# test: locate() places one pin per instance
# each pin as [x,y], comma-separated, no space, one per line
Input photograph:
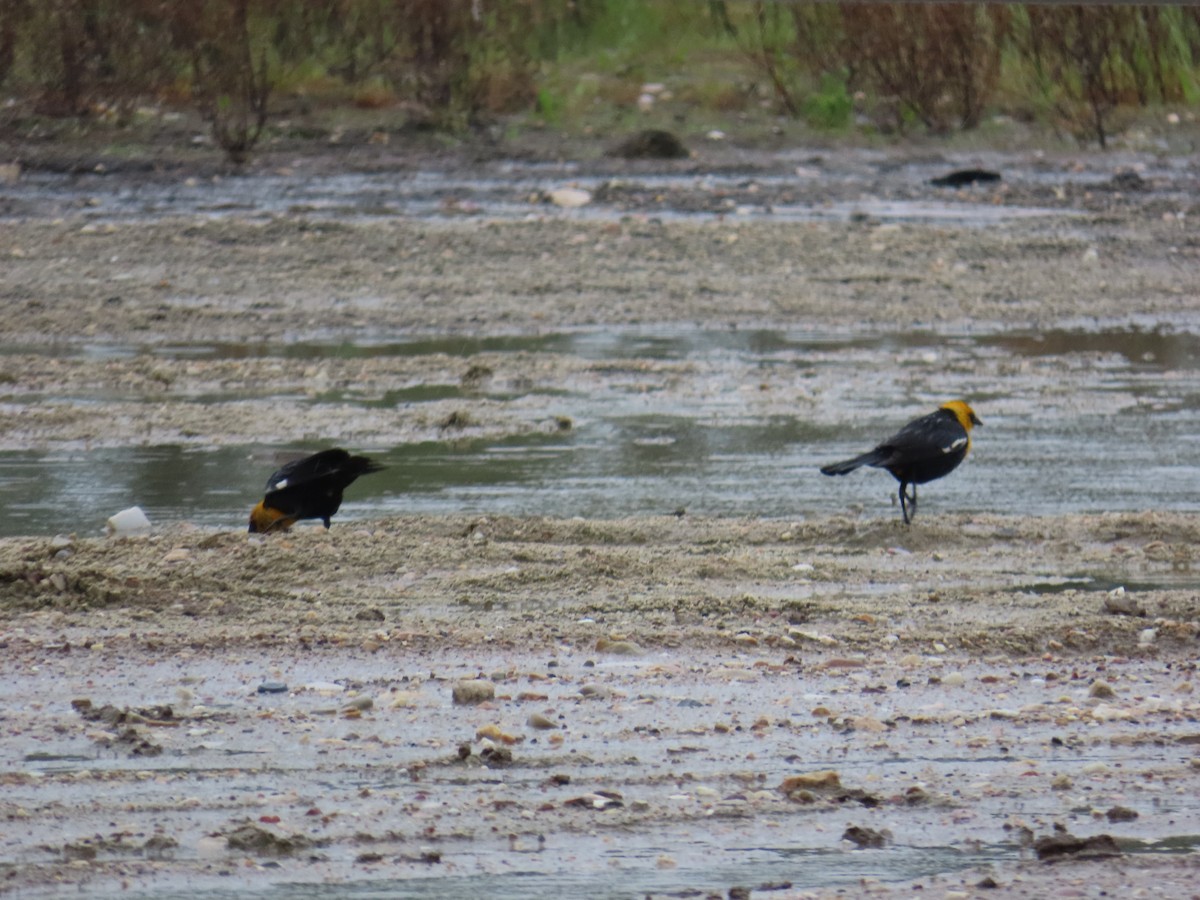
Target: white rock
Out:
[128,521]
[570,198]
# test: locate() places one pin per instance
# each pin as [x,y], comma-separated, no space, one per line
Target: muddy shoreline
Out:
[972,681]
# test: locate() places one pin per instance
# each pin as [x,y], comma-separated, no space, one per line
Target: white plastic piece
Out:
[128,521]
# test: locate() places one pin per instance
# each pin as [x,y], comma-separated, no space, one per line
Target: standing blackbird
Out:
[924,449]
[308,488]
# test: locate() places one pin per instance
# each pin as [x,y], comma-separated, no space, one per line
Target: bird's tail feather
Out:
[361,465]
[870,458]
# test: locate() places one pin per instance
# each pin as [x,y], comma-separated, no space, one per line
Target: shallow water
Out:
[516,191]
[1126,437]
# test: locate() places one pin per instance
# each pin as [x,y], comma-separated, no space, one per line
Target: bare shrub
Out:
[230,78]
[1095,59]
[940,61]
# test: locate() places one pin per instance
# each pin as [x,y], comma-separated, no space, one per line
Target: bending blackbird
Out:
[308,488]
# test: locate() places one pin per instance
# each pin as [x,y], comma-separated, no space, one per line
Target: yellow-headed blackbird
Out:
[924,449]
[308,488]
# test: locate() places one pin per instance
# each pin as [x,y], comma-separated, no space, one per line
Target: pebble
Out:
[1101,690]
[537,720]
[812,636]
[1121,814]
[473,691]
[620,648]
[953,679]
[272,687]
[826,778]
[325,687]
[493,732]
[570,198]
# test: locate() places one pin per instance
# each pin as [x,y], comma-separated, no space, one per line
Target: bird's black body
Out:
[923,450]
[308,488]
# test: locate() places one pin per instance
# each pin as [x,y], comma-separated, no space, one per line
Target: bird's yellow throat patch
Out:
[264,519]
[965,415]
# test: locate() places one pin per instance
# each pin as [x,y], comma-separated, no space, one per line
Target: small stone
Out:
[473,691]
[328,688]
[493,732]
[1118,603]
[569,198]
[812,636]
[865,838]
[179,554]
[537,720]
[1061,782]
[826,779]
[362,704]
[1121,814]
[272,687]
[953,679]
[1101,690]
[620,648]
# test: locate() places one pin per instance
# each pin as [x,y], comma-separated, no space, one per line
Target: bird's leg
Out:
[908,500]
[326,521]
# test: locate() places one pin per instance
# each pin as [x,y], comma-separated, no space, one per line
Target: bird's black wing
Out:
[310,468]
[929,437]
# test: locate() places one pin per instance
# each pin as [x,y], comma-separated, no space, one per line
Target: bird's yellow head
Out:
[965,415]
[264,519]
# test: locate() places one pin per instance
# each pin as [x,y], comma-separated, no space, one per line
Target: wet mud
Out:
[780,689]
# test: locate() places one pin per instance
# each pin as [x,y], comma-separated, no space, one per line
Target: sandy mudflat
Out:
[972,681]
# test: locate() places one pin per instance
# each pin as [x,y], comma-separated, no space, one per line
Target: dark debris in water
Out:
[966,178]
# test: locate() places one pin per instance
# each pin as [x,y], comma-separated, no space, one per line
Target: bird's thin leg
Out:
[326,521]
[908,500]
